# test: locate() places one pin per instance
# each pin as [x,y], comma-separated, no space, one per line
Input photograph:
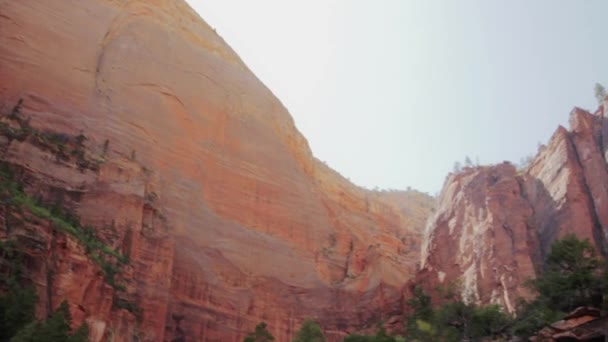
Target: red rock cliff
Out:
[207,185]
[495,224]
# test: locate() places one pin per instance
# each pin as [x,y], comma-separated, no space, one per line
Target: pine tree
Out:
[261,334]
[600,92]
[81,334]
[309,332]
[571,277]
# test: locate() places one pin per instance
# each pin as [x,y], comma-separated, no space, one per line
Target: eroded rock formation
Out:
[204,182]
[495,224]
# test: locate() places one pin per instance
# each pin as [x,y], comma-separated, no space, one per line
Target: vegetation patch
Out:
[260,334]
[65,147]
[573,277]
[108,259]
[18,304]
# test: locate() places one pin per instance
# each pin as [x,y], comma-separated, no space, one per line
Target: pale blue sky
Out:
[390,93]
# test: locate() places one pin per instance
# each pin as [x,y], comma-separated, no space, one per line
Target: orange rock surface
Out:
[494,225]
[227,217]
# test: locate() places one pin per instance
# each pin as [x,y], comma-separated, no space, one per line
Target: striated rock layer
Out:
[494,225]
[207,185]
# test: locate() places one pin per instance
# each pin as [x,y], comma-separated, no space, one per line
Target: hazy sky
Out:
[390,93]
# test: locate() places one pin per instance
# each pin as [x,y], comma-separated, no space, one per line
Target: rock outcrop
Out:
[583,324]
[495,224]
[202,180]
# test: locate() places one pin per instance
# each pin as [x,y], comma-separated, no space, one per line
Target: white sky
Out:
[391,92]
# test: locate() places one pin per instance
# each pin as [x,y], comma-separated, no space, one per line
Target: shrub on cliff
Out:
[260,334]
[574,276]
[17,302]
[16,310]
[56,328]
[309,332]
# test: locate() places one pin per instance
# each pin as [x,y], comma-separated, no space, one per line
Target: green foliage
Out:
[532,317]
[381,336]
[419,319]
[80,335]
[489,320]
[420,304]
[16,111]
[457,321]
[17,307]
[108,259]
[127,305]
[56,143]
[56,328]
[64,222]
[573,277]
[309,332]
[17,302]
[452,321]
[599,92]
[261,334]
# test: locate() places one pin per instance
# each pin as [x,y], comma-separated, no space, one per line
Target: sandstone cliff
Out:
[201,179]
[495,224]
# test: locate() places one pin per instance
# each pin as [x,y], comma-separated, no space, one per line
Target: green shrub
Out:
[600,92]
[65,222]
[452,321]
[309,332]
[17,307]
[127,305]
[574,276]
[260,334]
[56,328]
[18,304]
[381,336]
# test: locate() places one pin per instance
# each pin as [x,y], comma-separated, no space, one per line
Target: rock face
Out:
[480,236]
[494,225]
[202,180]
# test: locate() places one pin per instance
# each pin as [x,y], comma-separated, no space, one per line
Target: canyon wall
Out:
[494,225]
[201,180]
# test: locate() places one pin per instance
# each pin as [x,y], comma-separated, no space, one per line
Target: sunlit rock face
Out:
[494,225]
[207,184]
